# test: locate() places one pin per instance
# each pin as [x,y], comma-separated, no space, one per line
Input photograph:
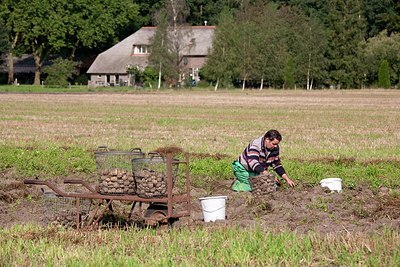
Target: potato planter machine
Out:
[149,180]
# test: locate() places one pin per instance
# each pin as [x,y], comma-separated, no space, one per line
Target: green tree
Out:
[271,49]
[243,45]
[382,15]
[346,26]
[170,42]
[43,27]
[10,13]
[160,57]
[384,75]
[136,73]
[143,77]
[305,39]
[378,47]
[289,73]
[4,44]
[219,65]
[150,76]
[92,23]
[60,71]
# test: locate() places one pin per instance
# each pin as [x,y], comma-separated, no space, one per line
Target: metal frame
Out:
[170,199]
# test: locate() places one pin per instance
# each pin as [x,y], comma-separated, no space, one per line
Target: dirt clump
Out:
[168,150]
[12,190]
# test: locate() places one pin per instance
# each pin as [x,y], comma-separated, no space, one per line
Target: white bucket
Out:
[213,208]
[334,184]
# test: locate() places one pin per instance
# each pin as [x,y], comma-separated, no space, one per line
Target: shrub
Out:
[60,71]
[384,75]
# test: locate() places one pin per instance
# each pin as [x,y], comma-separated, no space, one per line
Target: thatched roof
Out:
[116,59]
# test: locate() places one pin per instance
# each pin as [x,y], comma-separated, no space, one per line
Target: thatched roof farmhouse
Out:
[110,67]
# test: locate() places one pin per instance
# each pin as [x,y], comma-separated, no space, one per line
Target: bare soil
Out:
[301,209]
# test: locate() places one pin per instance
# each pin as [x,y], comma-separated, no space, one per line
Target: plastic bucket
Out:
[213,208]
[334,184]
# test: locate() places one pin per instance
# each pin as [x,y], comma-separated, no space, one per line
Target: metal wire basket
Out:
[64,210]
[115,170]
[151,175]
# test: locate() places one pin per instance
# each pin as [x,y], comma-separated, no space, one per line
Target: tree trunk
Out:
[11,60]
[38,69]
[262,84]
[216,85]
[308,72]
[159,77]
[10,68]
[243,84]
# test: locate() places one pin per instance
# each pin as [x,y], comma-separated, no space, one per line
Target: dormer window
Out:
[140,49]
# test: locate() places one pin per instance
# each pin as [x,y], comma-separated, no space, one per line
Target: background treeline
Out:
[281,44]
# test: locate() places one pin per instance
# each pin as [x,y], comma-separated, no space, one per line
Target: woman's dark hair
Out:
[273,134]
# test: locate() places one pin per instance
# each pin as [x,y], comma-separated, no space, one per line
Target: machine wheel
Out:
[156,214]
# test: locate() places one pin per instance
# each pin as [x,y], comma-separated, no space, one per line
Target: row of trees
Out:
[282,46]
[283,43]
[44,27]
[269,45]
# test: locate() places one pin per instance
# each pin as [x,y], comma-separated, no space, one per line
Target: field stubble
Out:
[362,124]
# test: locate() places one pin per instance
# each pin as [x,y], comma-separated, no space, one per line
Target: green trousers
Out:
[242,182]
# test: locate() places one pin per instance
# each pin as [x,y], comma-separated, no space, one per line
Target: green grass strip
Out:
[218,246]
[52,161]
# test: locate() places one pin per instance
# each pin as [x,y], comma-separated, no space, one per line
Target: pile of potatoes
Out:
[150,183]
[66,218]
[262,184]
[117,181]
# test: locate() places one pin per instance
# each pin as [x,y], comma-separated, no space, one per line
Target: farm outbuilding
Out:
[110,67]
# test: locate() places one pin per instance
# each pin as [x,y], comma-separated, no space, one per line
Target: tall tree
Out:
[244,49]
[160,57]
[219,64]
[92,23]
[346,25]
[172,40]
[305,38]
[271,50]
[384,75]
[10,13]
[46,26]
[43,30]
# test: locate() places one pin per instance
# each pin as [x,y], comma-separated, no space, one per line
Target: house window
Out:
[141,49]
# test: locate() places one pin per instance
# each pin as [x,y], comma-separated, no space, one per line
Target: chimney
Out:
[205,23]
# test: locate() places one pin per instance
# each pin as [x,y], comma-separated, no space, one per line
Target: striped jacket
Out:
[257,158]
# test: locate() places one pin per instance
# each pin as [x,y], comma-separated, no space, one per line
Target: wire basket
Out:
[63,210]
[262,185]
[115,171]
[151,175]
